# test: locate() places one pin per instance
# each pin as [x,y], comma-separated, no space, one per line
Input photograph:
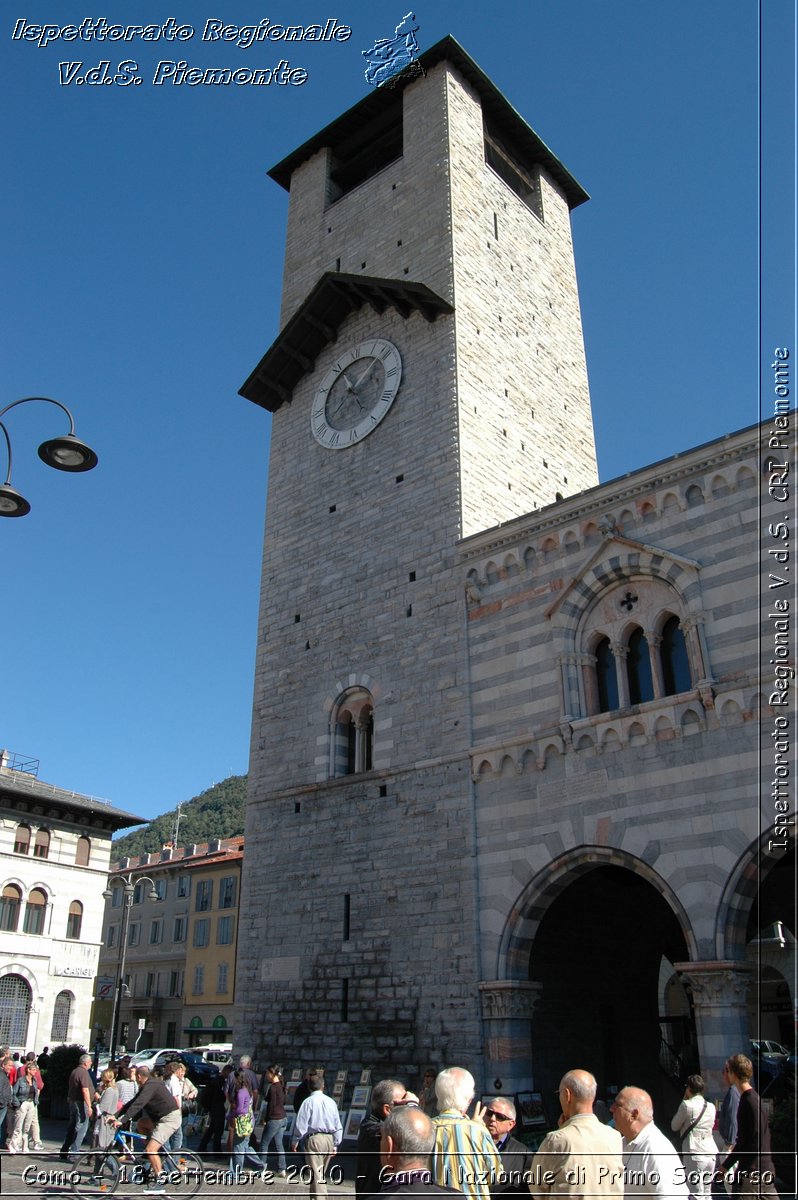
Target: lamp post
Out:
[65,453]
[128,885]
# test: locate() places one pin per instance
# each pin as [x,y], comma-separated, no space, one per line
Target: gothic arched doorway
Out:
[603,947]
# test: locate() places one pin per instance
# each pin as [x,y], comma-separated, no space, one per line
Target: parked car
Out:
[148,1058]
[774,1073]
[215,1052]
[197,1069]
[770,1049]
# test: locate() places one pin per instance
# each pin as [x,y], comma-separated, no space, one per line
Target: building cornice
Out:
[25,793]
[595,501]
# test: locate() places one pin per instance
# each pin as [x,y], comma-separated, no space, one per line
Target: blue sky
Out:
[142,257]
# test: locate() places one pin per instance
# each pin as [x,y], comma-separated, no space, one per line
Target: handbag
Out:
[189,1098]
[244,1124]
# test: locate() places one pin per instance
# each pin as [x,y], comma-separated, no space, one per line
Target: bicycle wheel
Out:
[190,1167]
[93,1173]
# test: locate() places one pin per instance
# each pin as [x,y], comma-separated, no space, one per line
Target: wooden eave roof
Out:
[499,112]
[316,323]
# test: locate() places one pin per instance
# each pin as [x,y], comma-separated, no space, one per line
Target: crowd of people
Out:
[426,1143]
[21,1085]
[159,1103]
[435,1143]
[623,1154]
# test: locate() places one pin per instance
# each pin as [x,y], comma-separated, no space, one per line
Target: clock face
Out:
[356,393]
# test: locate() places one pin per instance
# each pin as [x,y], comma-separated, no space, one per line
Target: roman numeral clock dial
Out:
[356,393]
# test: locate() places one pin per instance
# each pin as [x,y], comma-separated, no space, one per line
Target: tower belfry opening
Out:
[363,152]
[524,181]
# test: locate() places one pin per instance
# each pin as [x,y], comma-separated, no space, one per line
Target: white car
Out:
[215,1052]
[146,1058]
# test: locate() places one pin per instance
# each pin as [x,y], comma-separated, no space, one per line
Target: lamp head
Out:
[68,453]
[11,503]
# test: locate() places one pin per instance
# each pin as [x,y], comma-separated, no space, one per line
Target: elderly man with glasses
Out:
[516,1158]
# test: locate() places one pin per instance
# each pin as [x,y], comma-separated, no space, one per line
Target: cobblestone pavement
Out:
[41,1175]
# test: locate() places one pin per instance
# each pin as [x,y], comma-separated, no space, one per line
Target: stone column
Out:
[507,1013]
[719,989]
[620,653]
[585,663]
[695,641]
[654,642]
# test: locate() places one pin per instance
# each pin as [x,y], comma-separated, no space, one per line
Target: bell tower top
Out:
[333,174]
[375,114]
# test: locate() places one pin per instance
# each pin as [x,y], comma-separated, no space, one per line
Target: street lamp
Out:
[65,453]
[128,885]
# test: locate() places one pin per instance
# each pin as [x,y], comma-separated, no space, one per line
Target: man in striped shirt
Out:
[465,1156]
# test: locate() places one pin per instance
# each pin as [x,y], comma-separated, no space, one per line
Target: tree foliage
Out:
[215,813]
[61,1063]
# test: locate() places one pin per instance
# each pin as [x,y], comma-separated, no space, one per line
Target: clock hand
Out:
[363,376]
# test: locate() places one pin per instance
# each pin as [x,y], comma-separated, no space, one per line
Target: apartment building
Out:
[55,849]
[170,930]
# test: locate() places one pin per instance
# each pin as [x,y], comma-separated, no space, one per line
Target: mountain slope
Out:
[217,812]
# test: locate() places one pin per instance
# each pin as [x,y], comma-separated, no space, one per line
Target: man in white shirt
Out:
[652,1166]
[318,1131]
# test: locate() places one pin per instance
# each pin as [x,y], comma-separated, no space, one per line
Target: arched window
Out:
[638,669]
[674,660]
[22,840]
[646,620]
[41,847]
[74,920]
[35,910]
[606,677]
[10,903]
[353,733]
[62,1012]
[15,1006]
[83,852]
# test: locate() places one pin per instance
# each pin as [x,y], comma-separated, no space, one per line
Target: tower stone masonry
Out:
[492,698]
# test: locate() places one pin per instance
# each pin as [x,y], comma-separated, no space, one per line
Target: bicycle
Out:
[99,1172]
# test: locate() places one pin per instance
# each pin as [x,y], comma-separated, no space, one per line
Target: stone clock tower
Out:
[428,382]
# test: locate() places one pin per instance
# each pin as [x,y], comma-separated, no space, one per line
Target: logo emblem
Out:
[389,58]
